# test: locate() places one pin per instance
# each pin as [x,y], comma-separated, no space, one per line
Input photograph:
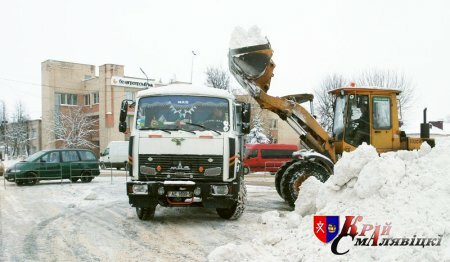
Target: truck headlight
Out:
[139,189]
[219,190]
[161,191]
[197,191]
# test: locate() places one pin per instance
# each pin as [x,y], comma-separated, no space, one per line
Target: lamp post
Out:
[148,84]
[192,64]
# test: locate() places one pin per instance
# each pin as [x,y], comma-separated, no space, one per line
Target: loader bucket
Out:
[252,63]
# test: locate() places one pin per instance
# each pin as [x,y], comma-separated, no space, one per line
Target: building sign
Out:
[132,82]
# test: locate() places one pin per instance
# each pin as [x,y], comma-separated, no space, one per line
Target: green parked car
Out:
[56,164]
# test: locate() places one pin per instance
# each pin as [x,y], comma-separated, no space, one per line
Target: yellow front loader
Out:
[361,115]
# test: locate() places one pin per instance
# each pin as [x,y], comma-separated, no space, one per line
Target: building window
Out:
[96,98]
[129,95]
[87,99]
[67,99]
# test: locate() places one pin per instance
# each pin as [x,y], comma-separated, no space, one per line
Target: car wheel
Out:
[86,177]
[74,179]
[32,178]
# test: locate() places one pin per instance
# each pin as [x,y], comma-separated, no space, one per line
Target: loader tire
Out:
[238,208]
[279,175]
[296,174]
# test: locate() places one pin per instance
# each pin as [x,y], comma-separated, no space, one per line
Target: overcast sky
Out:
[311,39]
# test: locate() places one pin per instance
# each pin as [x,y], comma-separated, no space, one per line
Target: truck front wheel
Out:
[237,209]
[145,213]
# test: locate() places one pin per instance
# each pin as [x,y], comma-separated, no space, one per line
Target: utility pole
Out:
[192,65]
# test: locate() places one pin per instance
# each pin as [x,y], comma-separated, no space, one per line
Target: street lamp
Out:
[148,84]
[192,65]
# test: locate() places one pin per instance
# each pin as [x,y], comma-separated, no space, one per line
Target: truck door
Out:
[381,130]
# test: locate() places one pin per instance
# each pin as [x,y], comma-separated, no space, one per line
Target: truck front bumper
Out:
[182,193]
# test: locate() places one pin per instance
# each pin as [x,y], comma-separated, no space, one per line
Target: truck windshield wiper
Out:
[180,129]
[152,128]
[204,127]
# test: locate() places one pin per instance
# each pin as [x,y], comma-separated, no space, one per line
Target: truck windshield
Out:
[173,112]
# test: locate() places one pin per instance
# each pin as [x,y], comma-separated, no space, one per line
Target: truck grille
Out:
[181,165]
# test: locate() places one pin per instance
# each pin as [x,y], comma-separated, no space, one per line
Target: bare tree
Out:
[73,128]
[217,77]
[325,101]
[392,80]
[3,125]
[16,134]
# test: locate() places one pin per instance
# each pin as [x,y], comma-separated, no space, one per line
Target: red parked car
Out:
[267,157]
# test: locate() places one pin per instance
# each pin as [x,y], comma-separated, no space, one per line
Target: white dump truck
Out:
[186,149]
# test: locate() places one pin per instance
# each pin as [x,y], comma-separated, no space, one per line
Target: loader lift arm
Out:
[252,66]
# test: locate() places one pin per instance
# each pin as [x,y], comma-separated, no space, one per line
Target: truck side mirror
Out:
[245,116]
[122,127]
[123,111]
[123,116]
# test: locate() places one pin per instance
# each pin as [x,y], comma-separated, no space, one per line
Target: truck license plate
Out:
[179,194]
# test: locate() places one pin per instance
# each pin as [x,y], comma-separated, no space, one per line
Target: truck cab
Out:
[185,150]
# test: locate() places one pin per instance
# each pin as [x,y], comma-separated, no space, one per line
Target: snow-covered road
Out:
[94,222]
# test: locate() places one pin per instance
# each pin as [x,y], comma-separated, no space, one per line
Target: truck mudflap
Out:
[182,193]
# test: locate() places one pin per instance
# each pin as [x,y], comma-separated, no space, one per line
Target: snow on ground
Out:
[411,190]
[54,221]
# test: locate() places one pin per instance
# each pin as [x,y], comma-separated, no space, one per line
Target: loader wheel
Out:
[145,213]
[279,175]
[296,174]
[238,208]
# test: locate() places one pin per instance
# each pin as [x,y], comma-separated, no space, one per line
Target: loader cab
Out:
[365,115]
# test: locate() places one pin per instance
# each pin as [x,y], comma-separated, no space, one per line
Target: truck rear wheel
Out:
[279,175]
[145,213]
[238,208]
[296,174]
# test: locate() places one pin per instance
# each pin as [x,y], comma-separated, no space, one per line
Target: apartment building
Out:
[98,91]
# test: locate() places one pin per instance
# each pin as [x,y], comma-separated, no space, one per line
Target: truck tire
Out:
[238,208]
[145,213]
[279,175]
[296,174]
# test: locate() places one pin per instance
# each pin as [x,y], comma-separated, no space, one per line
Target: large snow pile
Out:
[241,37]
[409,189]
